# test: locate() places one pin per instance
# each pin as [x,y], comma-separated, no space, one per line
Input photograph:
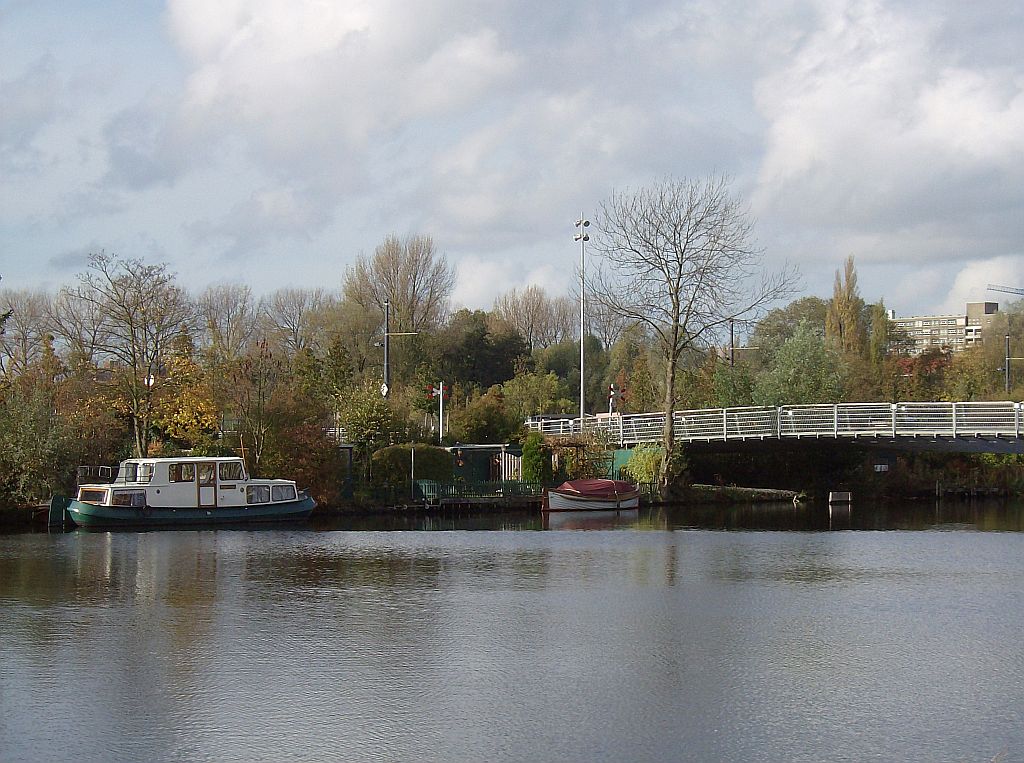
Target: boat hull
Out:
[557,501]
[92,515]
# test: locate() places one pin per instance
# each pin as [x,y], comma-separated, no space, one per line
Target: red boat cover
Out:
[596,487]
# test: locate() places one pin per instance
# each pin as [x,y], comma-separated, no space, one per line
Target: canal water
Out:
[732,634]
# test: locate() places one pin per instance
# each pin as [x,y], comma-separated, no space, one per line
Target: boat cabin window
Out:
[133,471]
[92,495]
[181,473]
[134,498]
[207,471]
[257,493]
[231,471]
[283,493]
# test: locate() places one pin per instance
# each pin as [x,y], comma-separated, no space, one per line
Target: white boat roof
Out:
[168,459]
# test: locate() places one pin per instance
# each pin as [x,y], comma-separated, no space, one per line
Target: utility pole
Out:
[386,386]
[583,223]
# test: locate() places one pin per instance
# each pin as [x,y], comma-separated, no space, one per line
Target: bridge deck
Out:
[875,421]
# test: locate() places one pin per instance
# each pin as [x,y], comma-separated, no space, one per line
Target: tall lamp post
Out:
[582,224]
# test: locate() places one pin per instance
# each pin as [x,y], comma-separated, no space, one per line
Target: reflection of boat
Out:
[187,491]
[591,495]
[589,520]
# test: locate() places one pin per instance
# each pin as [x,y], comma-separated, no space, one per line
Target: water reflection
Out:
[1007,516]
[610,644]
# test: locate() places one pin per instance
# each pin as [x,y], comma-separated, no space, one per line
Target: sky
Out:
[271,142]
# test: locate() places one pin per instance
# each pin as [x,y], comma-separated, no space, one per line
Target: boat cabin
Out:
[187,482]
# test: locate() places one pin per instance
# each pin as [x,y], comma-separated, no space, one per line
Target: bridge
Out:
[980,427]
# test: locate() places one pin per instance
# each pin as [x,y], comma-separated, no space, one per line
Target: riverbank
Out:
[714,494]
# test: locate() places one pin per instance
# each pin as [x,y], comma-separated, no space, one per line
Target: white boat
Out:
[187,491]
[591,495]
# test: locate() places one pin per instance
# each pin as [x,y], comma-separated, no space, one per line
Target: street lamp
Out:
[582,224]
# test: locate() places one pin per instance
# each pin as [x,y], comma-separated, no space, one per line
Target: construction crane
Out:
[1007,289]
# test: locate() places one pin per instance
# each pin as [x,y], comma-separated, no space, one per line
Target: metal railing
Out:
[878,420]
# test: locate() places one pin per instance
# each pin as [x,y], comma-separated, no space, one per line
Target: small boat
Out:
[187,491]
[591,495]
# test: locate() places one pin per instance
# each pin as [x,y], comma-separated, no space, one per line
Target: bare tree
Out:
[564,321]
[229,318]
[142,311]
[291,316]
[527,311]
[679,259]
[606,324]
[409,273]
[25,328]
[78,324]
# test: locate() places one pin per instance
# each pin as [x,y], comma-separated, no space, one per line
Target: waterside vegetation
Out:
[124,361]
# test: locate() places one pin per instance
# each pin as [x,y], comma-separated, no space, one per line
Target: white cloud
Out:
[888,129]
[971,283]
[888,144]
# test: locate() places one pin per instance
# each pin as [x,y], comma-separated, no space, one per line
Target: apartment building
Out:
[947,332]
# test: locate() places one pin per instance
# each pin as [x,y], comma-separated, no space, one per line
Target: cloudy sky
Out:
[272,141]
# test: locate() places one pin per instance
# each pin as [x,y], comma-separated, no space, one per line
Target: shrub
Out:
[536,459]
[391,465]
[644,464]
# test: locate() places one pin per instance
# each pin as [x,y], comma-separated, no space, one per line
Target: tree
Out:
[410,274]
[678,258]
[35,441]
[229,319]
[185,412]
[25,329]
[844,320]
[531,393]
[255,380]
[484,420]
[291,316]
[806,369]
[478,351]
[141,310]
[528,312]
[778,325]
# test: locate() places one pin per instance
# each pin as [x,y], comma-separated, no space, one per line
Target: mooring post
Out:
[58,511]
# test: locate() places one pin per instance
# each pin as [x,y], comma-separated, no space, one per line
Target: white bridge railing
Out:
[877,420]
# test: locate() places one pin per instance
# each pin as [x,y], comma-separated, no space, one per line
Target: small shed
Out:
[487,462]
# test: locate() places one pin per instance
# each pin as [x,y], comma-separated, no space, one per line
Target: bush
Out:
[536,459]
[644,464]
[391,465]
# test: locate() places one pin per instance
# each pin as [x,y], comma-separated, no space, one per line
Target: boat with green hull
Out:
[187,491]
